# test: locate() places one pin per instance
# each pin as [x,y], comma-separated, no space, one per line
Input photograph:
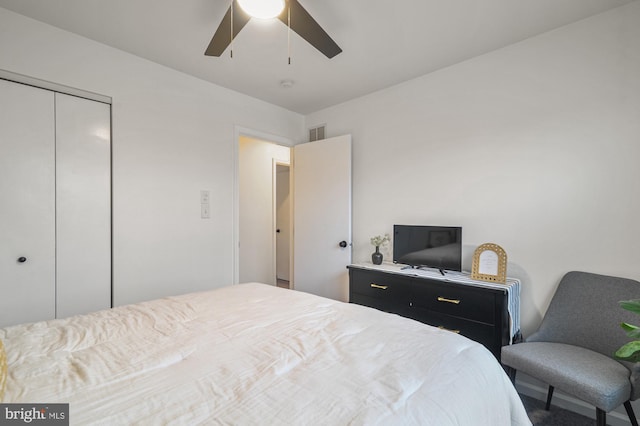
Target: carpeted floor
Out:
[555,416]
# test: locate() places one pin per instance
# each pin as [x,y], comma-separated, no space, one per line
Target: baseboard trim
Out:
[528,387]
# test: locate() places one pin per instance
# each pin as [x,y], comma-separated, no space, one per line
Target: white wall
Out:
[257,208]
[534,147]
[173,135]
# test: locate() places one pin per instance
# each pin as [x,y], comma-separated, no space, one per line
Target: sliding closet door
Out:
[83,205]
[27,219]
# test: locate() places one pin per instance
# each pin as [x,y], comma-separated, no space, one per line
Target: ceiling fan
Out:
[292,14]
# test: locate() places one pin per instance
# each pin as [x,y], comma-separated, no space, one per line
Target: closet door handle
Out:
[22,259]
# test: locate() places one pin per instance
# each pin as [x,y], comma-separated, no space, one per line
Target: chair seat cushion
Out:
[585,374]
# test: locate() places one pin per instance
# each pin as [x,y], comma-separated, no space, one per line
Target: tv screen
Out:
[428,246]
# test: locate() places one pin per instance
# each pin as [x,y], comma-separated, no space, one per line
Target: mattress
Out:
[256,354]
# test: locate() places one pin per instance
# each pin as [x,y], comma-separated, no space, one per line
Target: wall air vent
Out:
[316,133]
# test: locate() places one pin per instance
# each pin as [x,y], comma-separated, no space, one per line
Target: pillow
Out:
[3,370]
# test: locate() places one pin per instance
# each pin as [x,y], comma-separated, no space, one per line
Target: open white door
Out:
[322,217]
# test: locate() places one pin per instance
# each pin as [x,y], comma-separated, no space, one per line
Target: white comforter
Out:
[256,354]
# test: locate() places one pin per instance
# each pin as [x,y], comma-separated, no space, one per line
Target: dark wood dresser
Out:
[454,302]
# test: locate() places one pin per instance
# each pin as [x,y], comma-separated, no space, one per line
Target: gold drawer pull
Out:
[444,299]
[448,329]
[381,287]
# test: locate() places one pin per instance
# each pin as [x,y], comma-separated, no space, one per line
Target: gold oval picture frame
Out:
[489,263]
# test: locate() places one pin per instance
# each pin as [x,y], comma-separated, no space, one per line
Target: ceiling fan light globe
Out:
[262,9]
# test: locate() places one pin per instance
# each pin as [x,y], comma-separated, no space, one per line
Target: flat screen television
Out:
[437,247]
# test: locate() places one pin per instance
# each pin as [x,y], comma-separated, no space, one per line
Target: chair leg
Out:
[601,417]
[549,396]
[630,413]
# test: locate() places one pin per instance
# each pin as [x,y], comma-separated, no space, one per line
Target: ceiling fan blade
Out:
[307,28]
[222,38]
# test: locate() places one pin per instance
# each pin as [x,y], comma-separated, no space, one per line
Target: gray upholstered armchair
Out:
[574,346]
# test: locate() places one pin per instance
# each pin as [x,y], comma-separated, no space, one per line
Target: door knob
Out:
[343,244]
[22,259]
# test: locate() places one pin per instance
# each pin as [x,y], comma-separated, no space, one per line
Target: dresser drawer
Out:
[480,332]
[381,303]
[465,302]
[393,289]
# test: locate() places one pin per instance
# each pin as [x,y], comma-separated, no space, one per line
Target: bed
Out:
[256,354]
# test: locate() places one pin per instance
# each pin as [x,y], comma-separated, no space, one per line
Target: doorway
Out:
[264,203]
[320,185]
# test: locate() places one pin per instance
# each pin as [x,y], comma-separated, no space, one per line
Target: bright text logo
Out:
[34,414]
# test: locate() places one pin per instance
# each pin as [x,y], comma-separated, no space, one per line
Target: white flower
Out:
[379,240]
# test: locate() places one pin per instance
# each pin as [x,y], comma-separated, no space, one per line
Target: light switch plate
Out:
[204,197]
[205,211]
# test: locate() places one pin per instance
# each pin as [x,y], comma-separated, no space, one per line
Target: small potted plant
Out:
[630,351]
[377,241]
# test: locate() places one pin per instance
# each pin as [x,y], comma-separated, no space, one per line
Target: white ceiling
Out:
[384,42]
